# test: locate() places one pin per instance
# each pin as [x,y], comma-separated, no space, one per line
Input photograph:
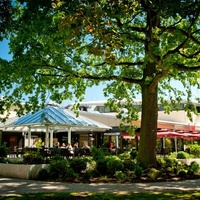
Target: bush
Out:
[97,153]
[33,158]
[133,154]
[169,162]
[124,156]
[15,161]
[153,173]
[78,164]
[129,164]
[182,173]
[101,166]
[120,176]
[43,174]
[138,171]
[114,164]
[160,162]
[194,167]
[182,155]
[3,151]
[58,169]
[195,150]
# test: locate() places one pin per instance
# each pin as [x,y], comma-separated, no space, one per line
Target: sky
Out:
[92,94]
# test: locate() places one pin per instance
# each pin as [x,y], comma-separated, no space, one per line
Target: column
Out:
[69,135]
[29,136]
[47,136]
[51,138]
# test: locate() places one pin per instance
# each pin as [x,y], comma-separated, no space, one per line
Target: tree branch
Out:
[157,79]
[176,49]
[189,56]
[186,68]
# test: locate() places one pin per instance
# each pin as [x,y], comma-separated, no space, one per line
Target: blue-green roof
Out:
[56,116]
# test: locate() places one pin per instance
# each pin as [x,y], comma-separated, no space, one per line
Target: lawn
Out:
[103,196]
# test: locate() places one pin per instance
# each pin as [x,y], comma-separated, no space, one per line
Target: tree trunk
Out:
[148,131]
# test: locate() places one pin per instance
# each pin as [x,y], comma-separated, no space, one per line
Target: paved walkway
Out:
[20,186]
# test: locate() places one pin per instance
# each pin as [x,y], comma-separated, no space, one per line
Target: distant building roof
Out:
[54,117]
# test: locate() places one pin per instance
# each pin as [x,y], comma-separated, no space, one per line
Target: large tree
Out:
[134,46]
[5,16]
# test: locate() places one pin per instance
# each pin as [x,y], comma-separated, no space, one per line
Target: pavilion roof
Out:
[55,117]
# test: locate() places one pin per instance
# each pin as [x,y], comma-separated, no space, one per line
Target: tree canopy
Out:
[60,48]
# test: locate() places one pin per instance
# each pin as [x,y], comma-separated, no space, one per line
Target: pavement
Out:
[9,186]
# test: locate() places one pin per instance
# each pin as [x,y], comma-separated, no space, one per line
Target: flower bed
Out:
[21,170]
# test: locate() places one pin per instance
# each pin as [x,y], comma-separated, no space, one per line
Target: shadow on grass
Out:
[105,196]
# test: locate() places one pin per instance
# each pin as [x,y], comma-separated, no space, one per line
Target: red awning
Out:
[178,134]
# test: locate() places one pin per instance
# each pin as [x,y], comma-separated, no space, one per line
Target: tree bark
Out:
[148,131]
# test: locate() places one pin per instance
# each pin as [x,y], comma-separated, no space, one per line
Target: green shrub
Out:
[182,155]
[169,162]
[3,151]
[86,176]
[133,154]
[98,153]
[124,156]
[129,164]
[114,164]
[70,174]
[182,173]
[101,166]
[15,161]
[58,169]
[173,155]
[78,164]
[91,167]
[195,150]
[120,176]
[194,167]
[160,162]
[33,158]
[43,174]
[138,171]
[153,173]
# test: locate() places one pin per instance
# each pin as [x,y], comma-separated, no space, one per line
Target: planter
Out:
[20,170]
[188,161]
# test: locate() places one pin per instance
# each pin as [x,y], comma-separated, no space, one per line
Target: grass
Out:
[106,196]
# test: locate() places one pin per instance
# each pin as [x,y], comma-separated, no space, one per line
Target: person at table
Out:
[63,145]
[69,146]
[57,145]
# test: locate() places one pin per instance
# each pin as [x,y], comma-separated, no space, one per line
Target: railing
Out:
[66,153]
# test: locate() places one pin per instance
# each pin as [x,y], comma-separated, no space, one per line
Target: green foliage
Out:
[138,170]
[133,154]
[3,151]
[43,174]
[114,164]
[195,150]
[129,164]
[101,166]
[194,167]
[182,155]
[33,157]
[153,173]
[97,153]
[136,46]
[182,173]
[124,156]
[38,143]
[15,161]
[78,164]
[60,170]
[120,176]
